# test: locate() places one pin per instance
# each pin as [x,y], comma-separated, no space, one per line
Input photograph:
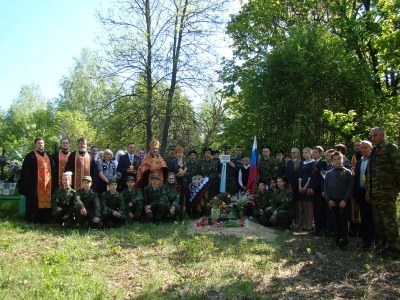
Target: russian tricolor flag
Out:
[252,182]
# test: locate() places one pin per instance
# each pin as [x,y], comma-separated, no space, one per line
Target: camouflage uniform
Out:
[266,169]
[383,170]
[158,200]
[261,202]
[282,202]
[91,202]
[134,197]
[210,168]
[193,169]
[109,204]
[280,168]
[173,199]
[66,200]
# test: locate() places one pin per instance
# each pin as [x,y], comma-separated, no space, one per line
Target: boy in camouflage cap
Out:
[133,199]
[113,206]
[155,200]
[87,206]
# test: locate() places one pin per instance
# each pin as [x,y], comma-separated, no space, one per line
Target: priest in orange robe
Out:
[35,183]
[81,164]
[153,163]
[60,159]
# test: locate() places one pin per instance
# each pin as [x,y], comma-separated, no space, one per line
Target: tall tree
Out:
[73,125]
[29,116]
[126,123]
[283,93]
[366,31]
[84,92]
[209,119]
[162,41]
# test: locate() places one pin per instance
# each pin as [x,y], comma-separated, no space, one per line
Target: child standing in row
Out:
[338,189]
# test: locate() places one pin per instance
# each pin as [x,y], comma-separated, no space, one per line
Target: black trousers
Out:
[367,222]
[340,221]
[320,213]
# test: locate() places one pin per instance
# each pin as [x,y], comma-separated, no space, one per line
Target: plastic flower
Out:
[15,166]
[242,200]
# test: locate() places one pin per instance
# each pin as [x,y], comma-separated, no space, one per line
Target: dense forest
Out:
[302,73]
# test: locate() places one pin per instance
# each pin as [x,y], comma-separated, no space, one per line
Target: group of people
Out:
[77,189]
[313,194]
[324,196]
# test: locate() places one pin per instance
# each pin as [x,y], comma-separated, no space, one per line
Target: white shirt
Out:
[240,180]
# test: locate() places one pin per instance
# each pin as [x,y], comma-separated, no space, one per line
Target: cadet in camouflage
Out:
[266,165]
[382,186]
[155,200]
[63,201]
[113,206]
[133,199]
[87,206]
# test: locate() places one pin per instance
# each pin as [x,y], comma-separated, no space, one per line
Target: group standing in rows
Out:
[313,194]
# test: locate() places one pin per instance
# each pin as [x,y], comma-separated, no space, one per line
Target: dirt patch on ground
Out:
[251,230]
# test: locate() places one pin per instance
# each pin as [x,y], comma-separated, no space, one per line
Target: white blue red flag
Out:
[252,181]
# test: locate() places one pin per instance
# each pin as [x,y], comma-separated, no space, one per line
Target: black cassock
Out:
[27,186]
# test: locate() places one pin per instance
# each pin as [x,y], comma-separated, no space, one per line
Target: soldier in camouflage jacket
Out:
[133,199]
[62,202]
[87,206]
[382,187]
[113,206]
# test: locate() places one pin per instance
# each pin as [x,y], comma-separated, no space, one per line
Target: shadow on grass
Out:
[311,268]
[295,266]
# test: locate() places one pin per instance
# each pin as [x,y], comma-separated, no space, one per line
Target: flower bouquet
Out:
[15,167]
[219,209]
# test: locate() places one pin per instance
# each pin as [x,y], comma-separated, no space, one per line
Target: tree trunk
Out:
[149,81]
[178,30]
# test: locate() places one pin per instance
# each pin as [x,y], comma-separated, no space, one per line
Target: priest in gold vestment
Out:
[35,183]
[81,164]
[153,163]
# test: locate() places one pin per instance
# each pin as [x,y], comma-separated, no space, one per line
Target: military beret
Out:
[112,180]
[192,151]
[266,146]
[130,178]
[88,178]
[279,151]
[207,149]
[172,147]
[156,176]
[227,147]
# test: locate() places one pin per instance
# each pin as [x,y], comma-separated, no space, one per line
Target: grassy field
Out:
[144,261]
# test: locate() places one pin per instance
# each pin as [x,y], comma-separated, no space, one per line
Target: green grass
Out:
[144,261]
[8,208]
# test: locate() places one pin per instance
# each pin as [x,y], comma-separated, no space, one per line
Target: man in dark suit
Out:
[315,188]
[128,164]
[367,222]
